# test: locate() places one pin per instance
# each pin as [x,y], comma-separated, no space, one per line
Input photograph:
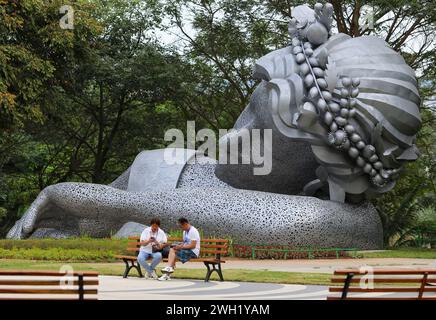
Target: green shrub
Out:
[57,254]
[75,249]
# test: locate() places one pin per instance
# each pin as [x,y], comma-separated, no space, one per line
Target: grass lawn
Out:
[415,253]
[117,269]
[97,254]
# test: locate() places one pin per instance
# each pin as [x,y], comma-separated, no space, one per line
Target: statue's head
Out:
[354,101]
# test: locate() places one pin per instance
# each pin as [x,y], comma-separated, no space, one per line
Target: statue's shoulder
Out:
[278,64]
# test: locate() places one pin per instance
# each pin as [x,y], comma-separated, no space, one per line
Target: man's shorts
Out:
[185,255]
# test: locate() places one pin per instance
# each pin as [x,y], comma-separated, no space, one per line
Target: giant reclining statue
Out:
[344,113]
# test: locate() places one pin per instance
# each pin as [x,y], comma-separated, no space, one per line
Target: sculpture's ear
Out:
[278,64]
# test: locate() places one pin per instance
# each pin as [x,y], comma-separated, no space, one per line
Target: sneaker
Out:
[167,270]
[153,275]
[148,276]
[165,277]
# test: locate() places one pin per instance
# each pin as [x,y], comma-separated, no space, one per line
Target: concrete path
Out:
[319,265]
[116,288]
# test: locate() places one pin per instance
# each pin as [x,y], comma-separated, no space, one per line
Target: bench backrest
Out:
[208,247]
[406,284]
[48,285]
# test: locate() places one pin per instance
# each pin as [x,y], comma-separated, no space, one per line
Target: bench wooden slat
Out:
[387,272]
[381,280]
[362,290]
[18,282]
[202,252]
[47,291]
[208,246]
[206,251]
[382,298]
[46,298]
[126,257]
[46,273]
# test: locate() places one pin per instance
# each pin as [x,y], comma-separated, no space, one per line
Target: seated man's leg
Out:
[185,255]
[172,258]
[142,259]
[157,258]
[171,265]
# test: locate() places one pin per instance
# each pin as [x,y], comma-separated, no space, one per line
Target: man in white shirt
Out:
[153,240]
[189,249]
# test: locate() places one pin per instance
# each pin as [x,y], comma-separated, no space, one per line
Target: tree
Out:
[105,100]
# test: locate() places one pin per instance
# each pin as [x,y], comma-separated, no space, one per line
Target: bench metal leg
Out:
[347,286]
[214,268]
[129,267]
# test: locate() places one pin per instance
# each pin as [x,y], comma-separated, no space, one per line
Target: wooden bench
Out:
[48,285]
[211,252]
[406,284]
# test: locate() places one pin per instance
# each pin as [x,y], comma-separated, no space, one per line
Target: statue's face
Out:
[293,164]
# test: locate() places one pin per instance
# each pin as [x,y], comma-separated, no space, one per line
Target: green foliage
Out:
[3,212]
[405,253]
[80,249]
[58,254]
[414,192]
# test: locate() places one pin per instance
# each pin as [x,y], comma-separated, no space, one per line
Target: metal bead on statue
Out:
[334,107]
[304,69]
[344,92]
[297,50]
[346,82]
[349,129]
[322,83]
[327,95]
[328,118]
[367,168]
[318,72]
[313,92]
[341,121]
[368,151]
[334,127]
[313,62]
[353,152]
[360,161]
[344,103]
[308,80]
[355,138]
[356,82]
[344,113]
[322,105]
[354,92]
[340,137]
[360,145]
[300,58]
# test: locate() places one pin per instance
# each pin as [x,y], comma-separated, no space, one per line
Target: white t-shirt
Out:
[192,234]
[160,236]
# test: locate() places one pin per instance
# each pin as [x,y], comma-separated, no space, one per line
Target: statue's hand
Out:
[26,224]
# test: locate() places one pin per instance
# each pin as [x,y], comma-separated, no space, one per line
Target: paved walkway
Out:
[319,265]
[116,288]
[140,289]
